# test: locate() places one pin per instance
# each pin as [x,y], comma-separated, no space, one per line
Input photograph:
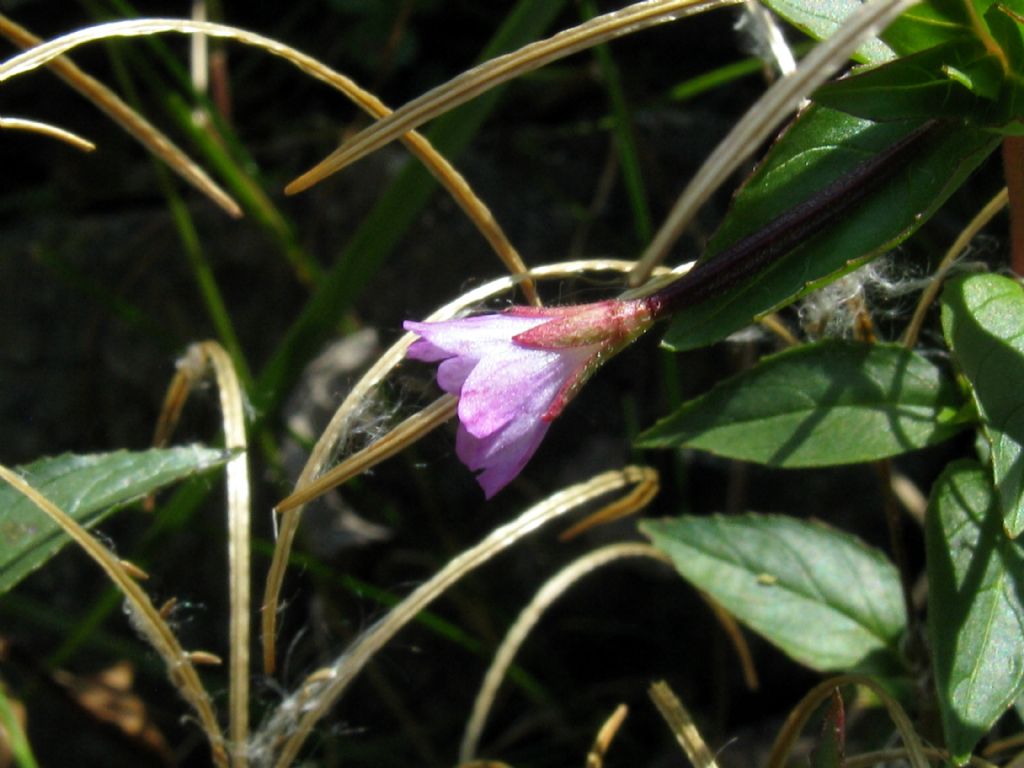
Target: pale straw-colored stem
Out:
[46,129]
[528,618]
[496,71]
[441,169]
[144,616]
[928,296]
[192,368]
[396,440]
[764,117]
[295,718]
[682,725]
[339,428]
[135,124]
[239,549]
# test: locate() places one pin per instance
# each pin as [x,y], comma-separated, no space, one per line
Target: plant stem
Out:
[756,252]
[1013,169]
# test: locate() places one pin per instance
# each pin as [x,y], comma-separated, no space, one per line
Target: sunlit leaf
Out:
[975,606]
[957,80]
[819,405]
[821,18]
[822,596]
[821,147]
[88,488]
[983,320]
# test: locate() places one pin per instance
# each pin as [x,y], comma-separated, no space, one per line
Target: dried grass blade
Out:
[145,616]
[399,438]
[528,618]
[298,714]
[928,296]
[191,369]
[682,725]
[603,740]
[46,129]
[492,73]
[239,548]
[436,164]
[135,124]
[763,118]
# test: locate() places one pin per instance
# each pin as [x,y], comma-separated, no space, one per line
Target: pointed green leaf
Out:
[818,405]
[983,320]
[820,147]
[958,80]
[822,596]
[975,606]
[928,24]
[88,488]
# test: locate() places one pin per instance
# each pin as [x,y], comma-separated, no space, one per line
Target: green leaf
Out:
[818,405]
[88,488]
[983,320]
[975,607]
[927,25]
[820,147]
[821,18]
[822,596]
[956,80]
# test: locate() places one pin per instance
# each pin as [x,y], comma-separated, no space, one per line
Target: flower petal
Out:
[501,459]
[472,335]
[520,384]
[452,373]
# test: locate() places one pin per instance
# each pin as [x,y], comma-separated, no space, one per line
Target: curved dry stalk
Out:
[436,164]
[682,725]
[732,630]
[340,426]
[762,118]
[142,614]
[802,712]
[192,368]
[46,129]
[396,440]
[239,547]
[298,714]
[603,740]
[135,124]
[492,73]
[980,220]
[624,507]
[528,618]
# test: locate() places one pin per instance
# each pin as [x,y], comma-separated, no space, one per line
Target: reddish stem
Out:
[1013,169]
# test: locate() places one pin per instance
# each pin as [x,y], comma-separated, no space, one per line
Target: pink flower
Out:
[514,372]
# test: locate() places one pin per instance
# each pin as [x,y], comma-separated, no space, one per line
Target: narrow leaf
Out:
[975,606]
[88,488]
[819,405]
[822,596]
[820,147]
[983,320]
